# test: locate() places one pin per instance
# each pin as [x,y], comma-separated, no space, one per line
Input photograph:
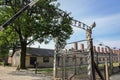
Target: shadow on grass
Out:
[26,73]
[41,75]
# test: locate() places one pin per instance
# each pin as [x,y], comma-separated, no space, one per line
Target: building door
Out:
[33,60]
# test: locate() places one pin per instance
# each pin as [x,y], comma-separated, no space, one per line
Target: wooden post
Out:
[63,67]
[75,65]
[36,66]
[106,70]
[55,62]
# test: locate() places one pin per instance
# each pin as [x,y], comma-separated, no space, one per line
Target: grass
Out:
[50,70]
[45,69]
[1,63]
[115,64]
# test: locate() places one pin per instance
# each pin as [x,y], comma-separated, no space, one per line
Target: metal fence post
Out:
[91,69]
[106,70]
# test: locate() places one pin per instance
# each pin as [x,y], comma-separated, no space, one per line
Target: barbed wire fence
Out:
[72,64]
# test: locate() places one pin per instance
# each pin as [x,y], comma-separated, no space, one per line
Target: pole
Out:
[55,58]
[110,59]
[119,60]
[36,66]
[97,58]
[98,71]
[106,70]
[91,70]
[75,65]
[62,67]
[64,72]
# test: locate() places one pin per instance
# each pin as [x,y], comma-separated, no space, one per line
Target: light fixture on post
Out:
[93,25]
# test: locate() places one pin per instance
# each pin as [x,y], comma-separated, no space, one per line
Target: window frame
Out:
[46,59]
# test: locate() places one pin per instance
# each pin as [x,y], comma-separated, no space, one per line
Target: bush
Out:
[5,64]
[1,63]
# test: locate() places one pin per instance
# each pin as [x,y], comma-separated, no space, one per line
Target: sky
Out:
[106,14]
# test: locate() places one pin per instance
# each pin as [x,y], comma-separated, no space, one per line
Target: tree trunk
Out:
[23,55]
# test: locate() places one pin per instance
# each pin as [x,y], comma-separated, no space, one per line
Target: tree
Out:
[42,23]
[4,50]
[7,42]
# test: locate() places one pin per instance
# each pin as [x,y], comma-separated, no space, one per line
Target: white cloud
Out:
[105,24]
[113,43]
[110,43]
[103,20]
[46,46]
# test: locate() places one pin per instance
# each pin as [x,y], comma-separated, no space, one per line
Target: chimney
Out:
[109,51]
[82,47]
[75,46]
[103,50]
[119,52]
[106,50]
[98,49]
[115,51]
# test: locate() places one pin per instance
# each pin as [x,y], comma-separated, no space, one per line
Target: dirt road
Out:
[10,73]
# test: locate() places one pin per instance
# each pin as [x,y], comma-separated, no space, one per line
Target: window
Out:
[99,59]
[45,59]
[32,60]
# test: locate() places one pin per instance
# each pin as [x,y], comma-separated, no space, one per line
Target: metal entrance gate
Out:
[72,65]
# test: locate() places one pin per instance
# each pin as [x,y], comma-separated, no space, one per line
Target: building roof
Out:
[39,52]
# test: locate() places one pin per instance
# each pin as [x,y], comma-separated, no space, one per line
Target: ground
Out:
[10,73]
[115,77]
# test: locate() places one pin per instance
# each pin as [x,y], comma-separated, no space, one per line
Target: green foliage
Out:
[3,51]
[1,2]
[45,69]
[6,42]
[42,22]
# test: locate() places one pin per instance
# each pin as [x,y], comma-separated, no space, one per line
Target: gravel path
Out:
[115,77]
[10,73]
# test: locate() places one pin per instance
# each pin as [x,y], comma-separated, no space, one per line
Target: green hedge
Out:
[1,63]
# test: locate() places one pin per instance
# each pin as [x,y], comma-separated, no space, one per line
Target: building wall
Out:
[40,62]
[80,58]
[15,61]
[28,62]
